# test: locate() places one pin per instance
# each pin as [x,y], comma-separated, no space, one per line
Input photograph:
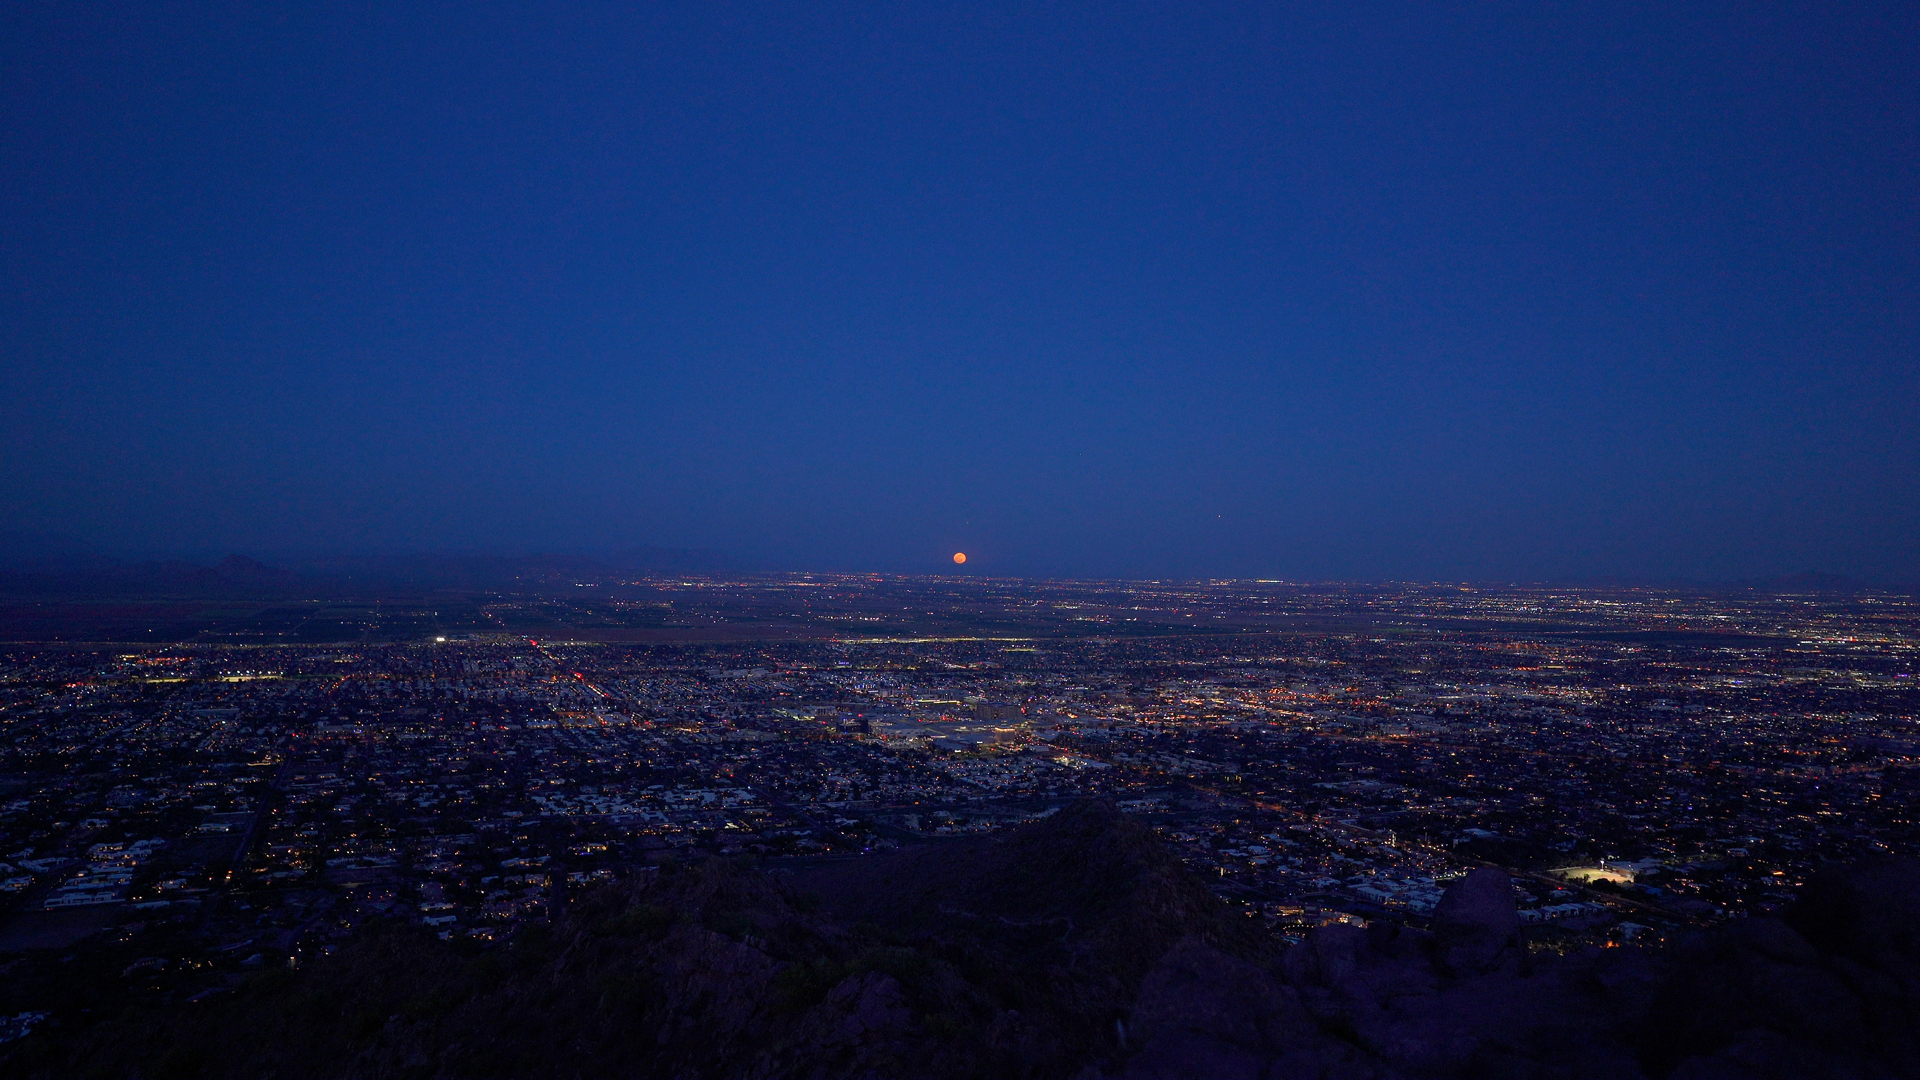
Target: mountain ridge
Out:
[1075,947]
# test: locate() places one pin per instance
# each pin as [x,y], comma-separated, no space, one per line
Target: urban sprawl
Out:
[176,816]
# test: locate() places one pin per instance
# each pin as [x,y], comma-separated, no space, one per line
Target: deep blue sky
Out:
[1328,290]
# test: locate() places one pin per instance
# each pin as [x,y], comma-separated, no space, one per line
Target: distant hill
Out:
[42,567]
[234,576]
[1076,947]
[430,571]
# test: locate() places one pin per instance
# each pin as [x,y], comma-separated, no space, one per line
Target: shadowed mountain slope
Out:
[1075,947]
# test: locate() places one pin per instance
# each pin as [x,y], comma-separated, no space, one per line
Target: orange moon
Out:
[959,556]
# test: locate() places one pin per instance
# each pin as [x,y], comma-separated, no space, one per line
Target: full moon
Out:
[959,556]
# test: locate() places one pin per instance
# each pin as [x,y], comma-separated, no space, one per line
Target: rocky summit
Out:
[1075,947]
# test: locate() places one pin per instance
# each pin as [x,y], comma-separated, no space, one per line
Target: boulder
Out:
[862,1008]
[1328,957]
[1869,911]
[1205,1015]
[1476,926]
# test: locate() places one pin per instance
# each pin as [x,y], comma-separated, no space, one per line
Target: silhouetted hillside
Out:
[1015,957]
[1076,947]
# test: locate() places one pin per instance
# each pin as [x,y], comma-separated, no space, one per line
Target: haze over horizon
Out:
[42,562]
[1391,292]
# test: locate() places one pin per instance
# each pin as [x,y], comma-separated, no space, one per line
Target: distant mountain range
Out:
[36,565]
[40,564]
[427,571]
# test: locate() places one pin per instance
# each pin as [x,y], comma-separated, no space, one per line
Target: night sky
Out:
[1513,291]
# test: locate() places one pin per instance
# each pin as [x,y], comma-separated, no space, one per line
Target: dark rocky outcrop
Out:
[1074,948]
[1833,990]
[1476,927]
[1021,955]
[1205,1015]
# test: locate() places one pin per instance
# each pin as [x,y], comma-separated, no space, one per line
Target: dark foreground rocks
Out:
[1832,991]
[1075,948]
